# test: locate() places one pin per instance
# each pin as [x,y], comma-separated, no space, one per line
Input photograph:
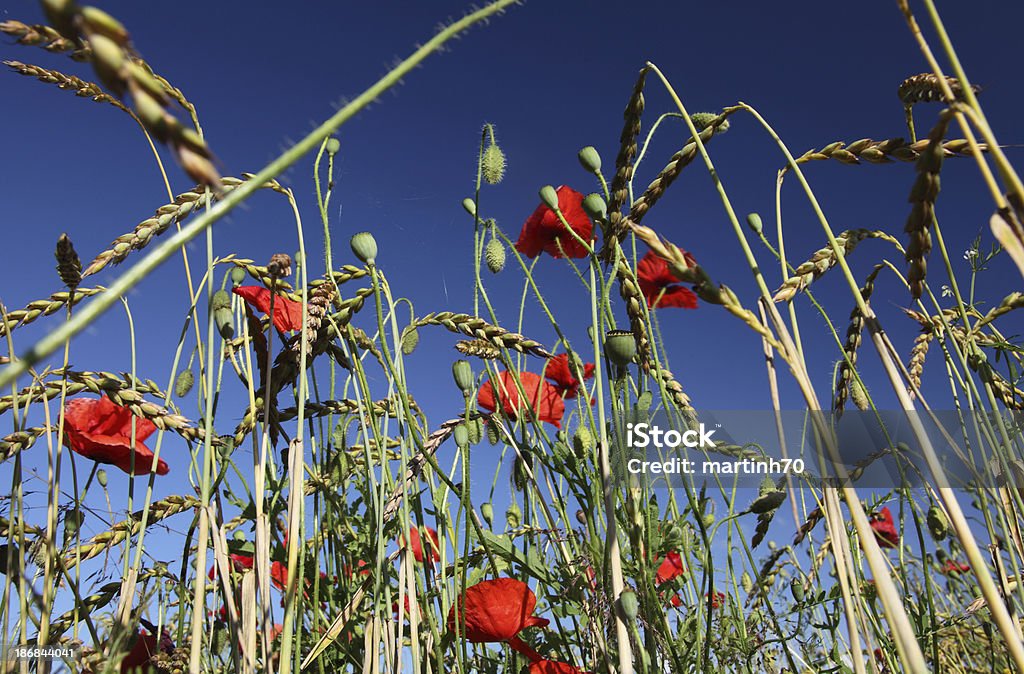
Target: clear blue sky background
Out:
[552,77]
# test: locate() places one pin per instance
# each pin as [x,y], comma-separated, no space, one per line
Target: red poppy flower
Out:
[660,287]
[279,575]
[561,377]
[953,568]
[287,313]
[239,563]
[417,547]
[547,405]
[670,569]
[543,232]
[885,528]
[101,430]
[497,610]
[717,599]
[551,667]
[138,659]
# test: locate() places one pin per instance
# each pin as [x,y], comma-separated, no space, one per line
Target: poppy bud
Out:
[767,502]
[629,604]
[746,582]
[492,433]
[620,347]
[365,247]
[796,588]
[461,435]
[941,556]
[938,525]
[464,379]
[590,160]
[470,206]
[754,223]
[492,165]
[237,276]
[702,120]
[513,516]
[494,255]
[101,477]
[549,197]
[183,383]
[332,146]
[476,430]
[487,512]
[72,523]
[581,517]
[223,320]
[595,207]
[520,474]
[220,300]
[410,338]
[582,441]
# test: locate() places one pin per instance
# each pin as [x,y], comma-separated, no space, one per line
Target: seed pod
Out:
[620,347]
[410,338]
[590,160]
[549,197]
[494,255]
[220,300]
[462,371]
[513,516]
[581,517]
[101,477]
[470,206]
[492,165]
[746,582]
[461,435]
[629,604]
[487,512]
[754,223]
[280,265]
[183,383]
[938,525]
[365,247]
[595,207]
[237,276]
[332,146]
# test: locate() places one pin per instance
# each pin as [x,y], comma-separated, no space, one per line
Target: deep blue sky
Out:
[552,77]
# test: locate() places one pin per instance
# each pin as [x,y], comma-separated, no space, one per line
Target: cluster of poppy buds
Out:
[122,71]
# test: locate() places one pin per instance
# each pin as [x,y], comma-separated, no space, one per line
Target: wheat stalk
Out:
[51,305]
[844,375]
[922,196]
[619,190]
[79,86]
[824,259]
[926,88]
[882,151]
[471,326]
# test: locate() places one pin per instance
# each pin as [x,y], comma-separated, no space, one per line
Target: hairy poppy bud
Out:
[754,222]
[493,436]
[239,535]
[333,145]
[101,477]
[767,502]
[595,207]
[461,435]
[365,247]
[702,120]
[494,255]
[223,319]
[410,339]
[237,276]
[629,604]
[72,523]
[859,395]
[582,441]
[183,383]
[938,525]
[581,517]
[470,206]
[746,582]
[487,512]
[492,165]
[476,430]
[520,471]
[464,379]
[620,347]
[513,516]
[549,197]
[590,160]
